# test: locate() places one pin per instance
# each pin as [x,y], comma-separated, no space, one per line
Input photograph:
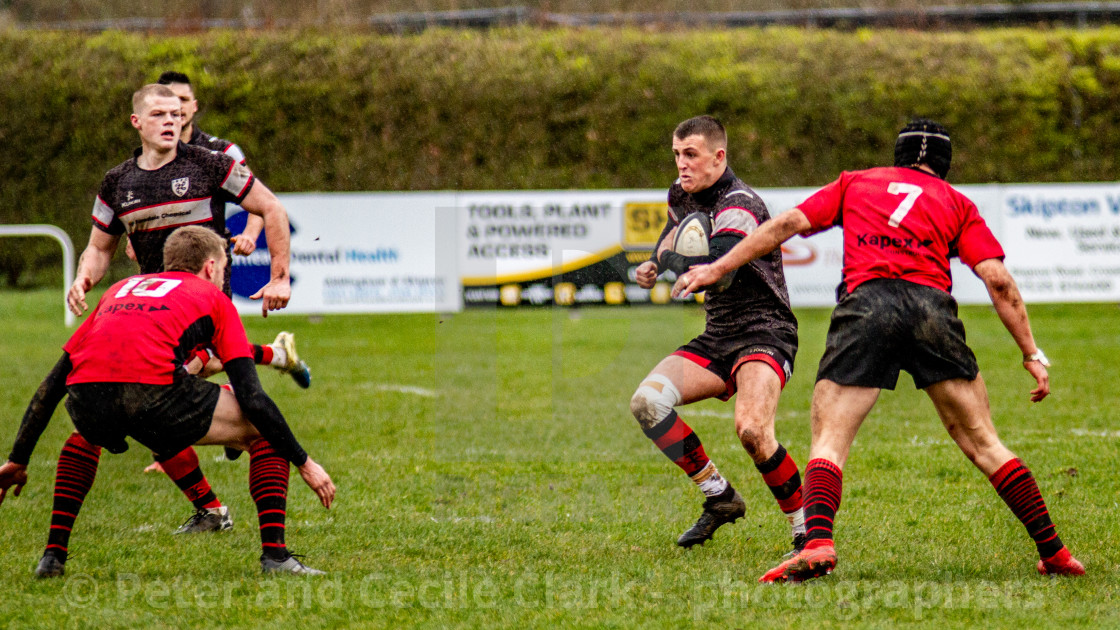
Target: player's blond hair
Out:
[151,89]
[188,248]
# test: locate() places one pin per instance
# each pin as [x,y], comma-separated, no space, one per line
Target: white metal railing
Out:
[62,237]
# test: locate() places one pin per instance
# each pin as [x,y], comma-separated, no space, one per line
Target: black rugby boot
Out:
[718,510]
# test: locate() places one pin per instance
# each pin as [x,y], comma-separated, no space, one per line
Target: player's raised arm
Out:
[92,266]
[770,235]
[263,203]
[1009,305]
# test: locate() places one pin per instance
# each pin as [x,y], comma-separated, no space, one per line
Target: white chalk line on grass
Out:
[1097,433]
[402,389]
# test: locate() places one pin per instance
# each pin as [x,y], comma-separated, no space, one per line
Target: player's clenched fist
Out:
[646,274]
[243,245]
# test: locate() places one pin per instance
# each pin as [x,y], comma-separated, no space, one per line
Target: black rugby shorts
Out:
[164,418]
[889,325]
[723,355]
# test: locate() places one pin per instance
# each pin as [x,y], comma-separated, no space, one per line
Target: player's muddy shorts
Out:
[889,325]
[164,418]
[723,355]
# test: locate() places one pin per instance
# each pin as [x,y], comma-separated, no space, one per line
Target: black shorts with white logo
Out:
[164,418]
[723,355]
[888,325]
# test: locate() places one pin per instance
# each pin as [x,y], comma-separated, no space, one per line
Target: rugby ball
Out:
[692,238]
[693,234]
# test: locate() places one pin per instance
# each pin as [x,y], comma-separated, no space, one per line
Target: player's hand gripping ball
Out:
[692,239]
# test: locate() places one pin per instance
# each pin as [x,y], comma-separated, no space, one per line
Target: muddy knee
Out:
[654,400]
[751,438]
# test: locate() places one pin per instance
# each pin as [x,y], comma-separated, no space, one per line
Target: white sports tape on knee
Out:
[654,400]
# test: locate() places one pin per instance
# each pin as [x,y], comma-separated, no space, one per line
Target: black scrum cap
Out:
[924,142]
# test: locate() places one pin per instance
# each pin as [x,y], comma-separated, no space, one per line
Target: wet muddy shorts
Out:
[164,418]
[889,325]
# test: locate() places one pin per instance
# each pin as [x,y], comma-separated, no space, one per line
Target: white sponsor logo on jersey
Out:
[180,186]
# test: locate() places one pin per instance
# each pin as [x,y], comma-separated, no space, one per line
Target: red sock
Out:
[262,355]
[1016,486]
[679,443]
[268,485]
[782,477]
[823,486]
[184,471]
[77,467]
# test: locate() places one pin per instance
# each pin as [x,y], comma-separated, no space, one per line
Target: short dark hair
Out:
[188,248]
[707,126]
[171,76]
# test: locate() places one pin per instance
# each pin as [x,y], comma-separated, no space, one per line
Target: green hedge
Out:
[529,108]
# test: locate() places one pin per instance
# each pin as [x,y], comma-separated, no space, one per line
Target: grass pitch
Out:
[490,475]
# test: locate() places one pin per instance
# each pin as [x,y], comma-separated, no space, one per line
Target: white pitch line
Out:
[707,413]
[406,389]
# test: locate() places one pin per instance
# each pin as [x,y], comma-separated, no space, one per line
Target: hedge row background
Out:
[528,108]
[328,11]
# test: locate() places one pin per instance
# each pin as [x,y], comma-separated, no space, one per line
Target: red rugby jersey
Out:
[901,223]
[146,326]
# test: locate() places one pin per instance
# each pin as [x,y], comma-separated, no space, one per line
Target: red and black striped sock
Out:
[268,485]
[782,477]
[77,467]
[1016,486]
[823,487]
[262,355]
[679,443]
[184,471]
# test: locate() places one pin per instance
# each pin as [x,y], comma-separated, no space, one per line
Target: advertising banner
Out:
[361,253]
[1063,241]
[541,247]
[435,252]
[583,247]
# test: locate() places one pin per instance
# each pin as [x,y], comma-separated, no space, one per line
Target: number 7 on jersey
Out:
[912,192]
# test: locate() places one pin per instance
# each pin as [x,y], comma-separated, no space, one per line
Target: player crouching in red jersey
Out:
[901,226]
[123,371]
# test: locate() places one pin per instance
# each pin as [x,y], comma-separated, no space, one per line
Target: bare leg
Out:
[963,408]
[837,413]
[673,382]
[756,404]
[229,426]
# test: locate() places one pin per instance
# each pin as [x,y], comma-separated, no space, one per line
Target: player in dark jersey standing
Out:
[166,185]
[748,344]
[901,226]
[179,83]
[123,371]
[281,353]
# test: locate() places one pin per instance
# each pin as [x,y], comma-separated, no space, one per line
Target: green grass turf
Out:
[490,475]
